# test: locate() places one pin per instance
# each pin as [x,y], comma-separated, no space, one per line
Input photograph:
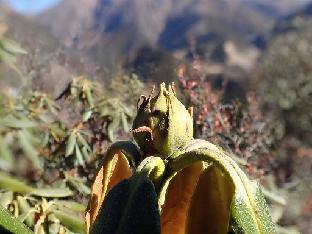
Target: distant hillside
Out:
[47,66]
[278,8]
[109,28]
[296,20]
[292,21]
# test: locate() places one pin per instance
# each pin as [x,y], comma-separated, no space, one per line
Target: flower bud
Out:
[162,124]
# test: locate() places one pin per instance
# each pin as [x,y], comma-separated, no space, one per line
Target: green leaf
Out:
[74,206]
[6,157]
[26,211]
[70,146]
[89,96]
[11,46]
[12,122]
[87,115]
[8,59]
[112,126]
[78,184]
[11,224]
[13,184]
[72,222]
[83,142]
[29,149]
[242,213]
[124,122]
[248,208]
[6,198]
[79,156]
[52,192]
[130,207]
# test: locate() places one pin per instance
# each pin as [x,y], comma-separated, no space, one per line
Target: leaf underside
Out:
[210,206]
[178,198]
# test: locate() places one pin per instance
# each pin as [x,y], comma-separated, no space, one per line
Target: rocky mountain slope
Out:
[119,26]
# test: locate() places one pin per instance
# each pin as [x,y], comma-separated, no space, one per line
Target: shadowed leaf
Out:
[114,168]
[10,224]
[130,207]
[71,221]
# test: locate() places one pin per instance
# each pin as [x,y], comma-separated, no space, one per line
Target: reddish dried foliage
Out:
[239,128]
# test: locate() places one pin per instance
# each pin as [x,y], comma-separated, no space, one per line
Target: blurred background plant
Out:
[9,49]
[55,145]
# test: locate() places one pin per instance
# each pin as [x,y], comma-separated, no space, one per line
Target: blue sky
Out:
[31,6]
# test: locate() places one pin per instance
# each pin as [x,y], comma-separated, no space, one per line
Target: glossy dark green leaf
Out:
[130,207]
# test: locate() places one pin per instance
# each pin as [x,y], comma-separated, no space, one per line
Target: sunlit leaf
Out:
[13,184]
[75,206]
[29,149]
[27,213]
[87,115]
[83,142]
[6,157]
[10,224]
[12,122]
[72,222]
[79,156]
[11,46]
[6,198]
[70,145]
